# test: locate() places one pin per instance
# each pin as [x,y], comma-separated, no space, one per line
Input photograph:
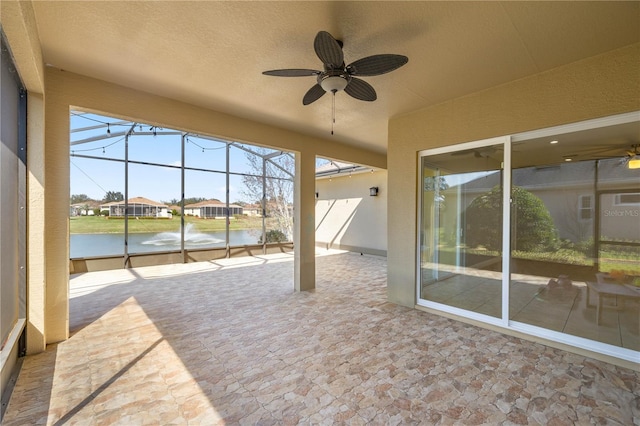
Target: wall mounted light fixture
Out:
[373,191]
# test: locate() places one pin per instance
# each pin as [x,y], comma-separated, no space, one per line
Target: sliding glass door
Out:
[461,233]
[538,232]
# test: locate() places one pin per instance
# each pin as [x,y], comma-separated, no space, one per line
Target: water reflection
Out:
[89,245]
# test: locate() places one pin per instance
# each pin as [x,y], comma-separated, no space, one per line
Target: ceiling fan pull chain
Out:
[333,111]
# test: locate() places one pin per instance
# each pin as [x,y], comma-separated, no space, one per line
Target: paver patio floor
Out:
[230,342]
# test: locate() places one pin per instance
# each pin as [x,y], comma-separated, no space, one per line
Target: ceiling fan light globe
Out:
[333,83]
[634,162]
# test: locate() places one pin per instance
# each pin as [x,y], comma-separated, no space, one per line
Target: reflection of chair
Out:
[563,282]
[560,290]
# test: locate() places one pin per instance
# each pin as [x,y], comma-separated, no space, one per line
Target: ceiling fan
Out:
[630,157]
[337,76]
[633,158]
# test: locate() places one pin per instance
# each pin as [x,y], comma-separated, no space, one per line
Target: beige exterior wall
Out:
[56,199]
[304,223]
[617,222]
[18,24]
[36,213]
[595,87]
[348,218]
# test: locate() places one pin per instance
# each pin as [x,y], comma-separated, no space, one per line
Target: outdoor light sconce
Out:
[373,191]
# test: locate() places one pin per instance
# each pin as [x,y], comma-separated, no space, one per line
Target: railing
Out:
[133,260]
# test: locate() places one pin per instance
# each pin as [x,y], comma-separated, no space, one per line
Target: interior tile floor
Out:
[230,342]
[533,302]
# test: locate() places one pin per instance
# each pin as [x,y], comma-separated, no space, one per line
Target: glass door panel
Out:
[551,240]
[461,231]
[617,284]
[575,237]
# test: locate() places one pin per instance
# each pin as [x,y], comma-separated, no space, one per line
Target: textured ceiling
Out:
[212,53]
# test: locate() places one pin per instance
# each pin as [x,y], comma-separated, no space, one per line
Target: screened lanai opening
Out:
[539,232]
[351,207]
[13,221]
[142,194]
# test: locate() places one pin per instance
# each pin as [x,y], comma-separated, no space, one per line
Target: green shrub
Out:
[585,247]
[484,220]
[532,230]
[274,236]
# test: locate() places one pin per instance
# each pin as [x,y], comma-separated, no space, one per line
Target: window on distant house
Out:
[632,199]
[585,207]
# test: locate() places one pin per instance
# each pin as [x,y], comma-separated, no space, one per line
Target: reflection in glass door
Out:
[618,245]
[461,229]
[575,243]
[618,262]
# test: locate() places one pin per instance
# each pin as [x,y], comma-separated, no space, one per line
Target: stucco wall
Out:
[595,87]
[18,24]
[348,218]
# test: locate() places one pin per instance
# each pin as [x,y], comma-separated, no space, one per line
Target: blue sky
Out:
[94,177]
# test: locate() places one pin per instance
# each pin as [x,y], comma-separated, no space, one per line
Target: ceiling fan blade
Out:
[328,50]
[360,89]
[481,152]
[292,73]
[313,94]
[377,64]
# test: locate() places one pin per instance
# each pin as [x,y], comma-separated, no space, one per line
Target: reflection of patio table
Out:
[607,289]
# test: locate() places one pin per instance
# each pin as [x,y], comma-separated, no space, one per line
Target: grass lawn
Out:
[103,225]
[624,260]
